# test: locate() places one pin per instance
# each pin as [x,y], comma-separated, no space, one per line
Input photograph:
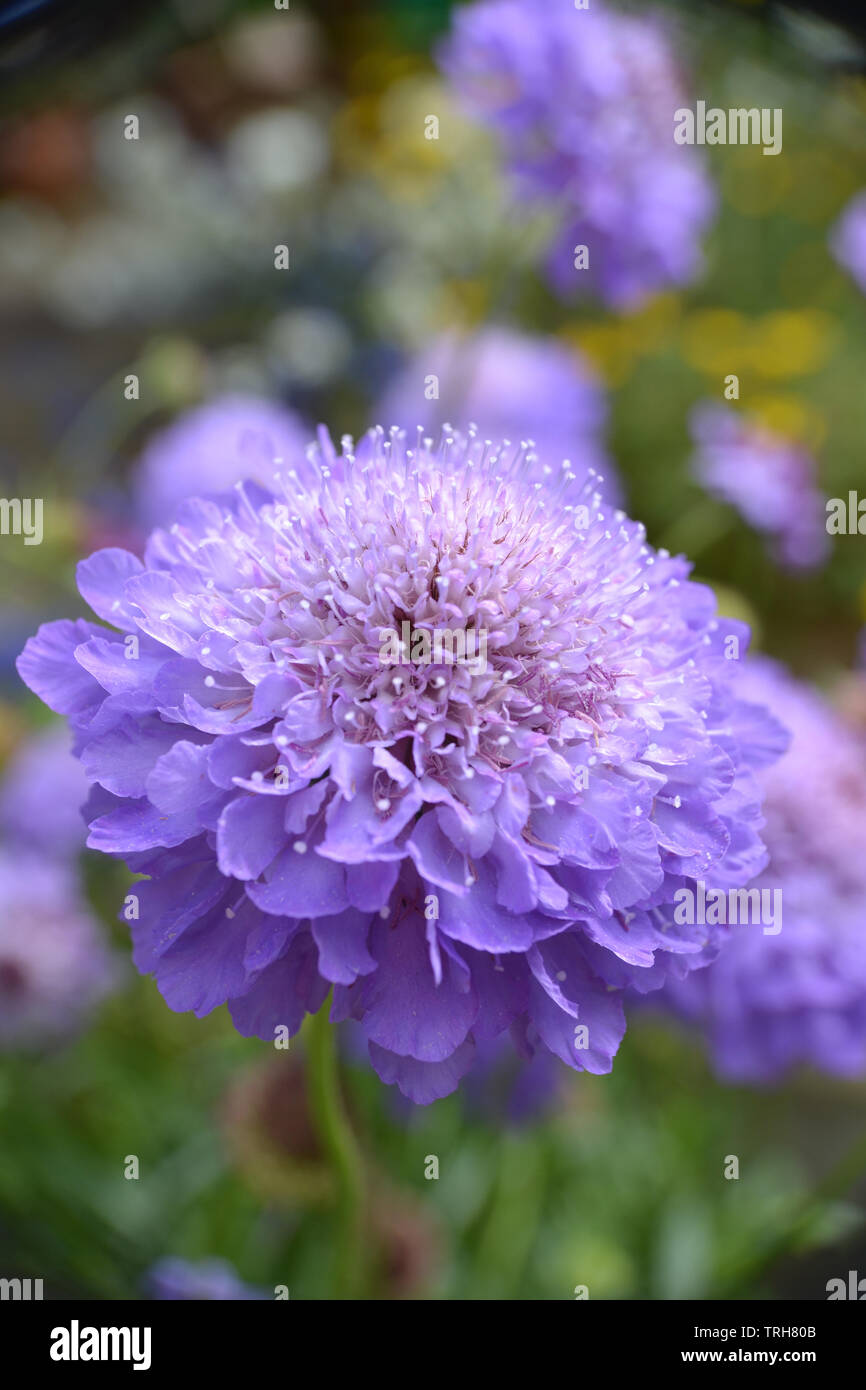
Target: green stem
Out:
[508,1235]
[339,1143]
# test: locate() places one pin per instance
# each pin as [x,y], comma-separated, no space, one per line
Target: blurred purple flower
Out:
[773,1001]
[584,102]
[848,239]
[514,387]
[54,965]
[506,1084]
[42,793]
[455,846]
[769,480]
[507,1088]
[213,1281]
[229,440]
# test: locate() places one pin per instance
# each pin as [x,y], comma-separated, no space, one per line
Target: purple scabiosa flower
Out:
[54,965]
[848,240]
[513,387]
[230,439]
[775,999]
[211,1281]
[770,481]
[456,837]
[41,795]
[584,102]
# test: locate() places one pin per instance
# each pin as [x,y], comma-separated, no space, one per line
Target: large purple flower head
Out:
[514,387]
[584,102]
[209,449]
[769,480]
[41,795]
[458,835]
[54,965]
[848,240]
[778,998]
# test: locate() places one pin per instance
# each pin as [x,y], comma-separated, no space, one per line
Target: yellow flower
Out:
[792,343]
[716,341]
[792,418]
